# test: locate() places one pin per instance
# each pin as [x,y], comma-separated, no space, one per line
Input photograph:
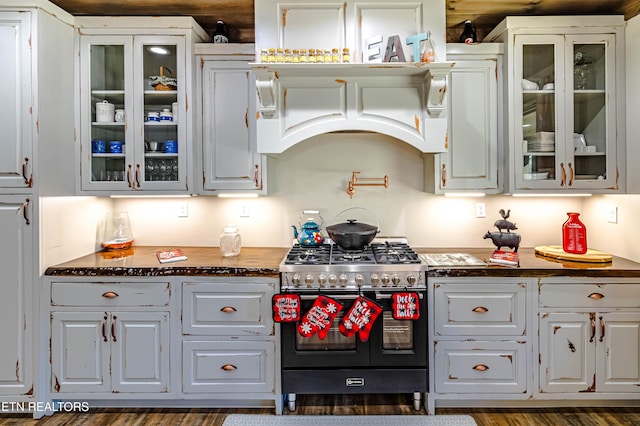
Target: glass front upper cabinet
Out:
[131,104]
[563,84]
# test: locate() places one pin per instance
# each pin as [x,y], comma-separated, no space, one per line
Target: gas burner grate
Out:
[377,253]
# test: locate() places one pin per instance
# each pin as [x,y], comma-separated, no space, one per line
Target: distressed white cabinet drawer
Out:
[593,294]
[242,309]
[480,309]
[228,366]
[480,367]
[110,294]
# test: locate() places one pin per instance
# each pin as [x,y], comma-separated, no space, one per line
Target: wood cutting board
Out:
[591,256]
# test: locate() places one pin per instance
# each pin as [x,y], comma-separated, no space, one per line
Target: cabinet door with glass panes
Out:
[131,101]
[565,93]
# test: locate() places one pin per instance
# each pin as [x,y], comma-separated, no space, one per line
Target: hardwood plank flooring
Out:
[336,405]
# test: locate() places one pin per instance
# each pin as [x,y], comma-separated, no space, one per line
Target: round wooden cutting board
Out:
[591,256]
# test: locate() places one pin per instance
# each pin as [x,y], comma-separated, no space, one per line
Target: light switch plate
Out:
[481,210]
[612,214]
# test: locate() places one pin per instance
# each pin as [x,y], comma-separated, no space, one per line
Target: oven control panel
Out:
[353,280]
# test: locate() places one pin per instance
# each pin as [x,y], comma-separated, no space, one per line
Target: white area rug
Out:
[293,420]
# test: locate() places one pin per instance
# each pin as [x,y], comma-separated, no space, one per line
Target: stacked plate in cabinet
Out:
[542,142]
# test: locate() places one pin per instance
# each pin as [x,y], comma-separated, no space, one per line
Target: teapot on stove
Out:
[309,234]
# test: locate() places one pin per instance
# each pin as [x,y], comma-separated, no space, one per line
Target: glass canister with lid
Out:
[230,241]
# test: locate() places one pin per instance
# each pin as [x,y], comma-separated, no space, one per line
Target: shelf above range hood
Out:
[296,101]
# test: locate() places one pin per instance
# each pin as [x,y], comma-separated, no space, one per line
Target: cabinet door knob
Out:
[110,294]
[481,367]
[228,309]
[228,367]
[480,310]
[596,296]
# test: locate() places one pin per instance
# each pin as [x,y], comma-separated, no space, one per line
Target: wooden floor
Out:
[336,405]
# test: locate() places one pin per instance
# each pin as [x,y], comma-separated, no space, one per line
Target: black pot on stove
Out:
[352,235]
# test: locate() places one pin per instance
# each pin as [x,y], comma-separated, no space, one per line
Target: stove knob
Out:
[359,280]
[295,280]
[411,279]
[322,279]
[343,280]
[385,279]
[395,279]
[375,279]
[308,280]
[333,280]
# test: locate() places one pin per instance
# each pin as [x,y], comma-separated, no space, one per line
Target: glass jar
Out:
[116,231]
[312,55]
[295,56]
[279,55]
[264,55]
[271,58]
[346,57]
[574,235]
[303,55]
[230,241]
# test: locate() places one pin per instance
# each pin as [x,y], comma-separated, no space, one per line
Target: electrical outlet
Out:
[244,210]
[481,210]
[612,214]
[183,209]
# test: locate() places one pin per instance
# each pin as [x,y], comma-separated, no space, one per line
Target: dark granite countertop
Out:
[533,265]
[264,261]
[202,261]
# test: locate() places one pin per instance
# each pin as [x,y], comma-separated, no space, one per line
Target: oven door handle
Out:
[333,296]
[388,295]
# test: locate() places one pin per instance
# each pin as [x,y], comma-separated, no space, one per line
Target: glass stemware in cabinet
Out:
[161,110]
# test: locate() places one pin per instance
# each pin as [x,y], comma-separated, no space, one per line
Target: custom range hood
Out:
[404,99]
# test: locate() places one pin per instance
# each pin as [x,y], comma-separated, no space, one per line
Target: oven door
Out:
[398,343]
[334,351]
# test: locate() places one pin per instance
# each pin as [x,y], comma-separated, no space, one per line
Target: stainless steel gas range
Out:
[376,341]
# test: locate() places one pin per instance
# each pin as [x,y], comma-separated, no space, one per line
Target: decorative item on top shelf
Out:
[299,56]
[469,35]
[163,82]
[504,239]
[310,234]
[220,34]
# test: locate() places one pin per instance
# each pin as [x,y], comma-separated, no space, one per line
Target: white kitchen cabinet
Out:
[36,118]
[589,337]
[116,59]
[109,338]
[98,352]
[479,332]
[16,301]
[229,348]
[229,161]
[17,162]
[472,162]
[564,103]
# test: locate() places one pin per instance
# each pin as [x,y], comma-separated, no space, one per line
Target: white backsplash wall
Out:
[314,175]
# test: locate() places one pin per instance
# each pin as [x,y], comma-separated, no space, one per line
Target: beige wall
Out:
[314,175]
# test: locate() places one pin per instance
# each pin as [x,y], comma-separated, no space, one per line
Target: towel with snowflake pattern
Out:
[319,317]
[360,318]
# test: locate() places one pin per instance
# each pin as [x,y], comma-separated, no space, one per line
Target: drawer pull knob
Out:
[110,294]
[596,296]
[228,309]
[228,367]
[481,367]
[480,310]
